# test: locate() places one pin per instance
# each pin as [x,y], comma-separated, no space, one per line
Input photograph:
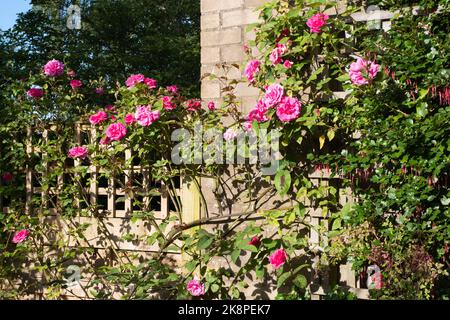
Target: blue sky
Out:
[9,10]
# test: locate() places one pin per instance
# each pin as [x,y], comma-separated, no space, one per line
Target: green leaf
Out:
[283,181]
[204,242]
[300,281]
[336,224]
[214,287]
[235,255]
[343,78]
[314,75]
[422,109]
[282,279]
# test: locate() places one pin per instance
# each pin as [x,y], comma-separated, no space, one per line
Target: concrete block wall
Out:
[223,36]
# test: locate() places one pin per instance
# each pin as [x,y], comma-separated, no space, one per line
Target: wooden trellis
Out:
[108,194]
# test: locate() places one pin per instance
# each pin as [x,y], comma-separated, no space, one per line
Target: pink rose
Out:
[134,79]
[99,117]
[78,152]
[278,258]
[75,84]
[54,68]
[116,131]
[274,94]
[255,241]
[194,105]
[251,68]
[151,83]
[258,113]
[230,134]
[196,288]
[373,69]
[316,22]
[288,64]
[275,56]
[99,91]
[172,89]
[288,109]
[7,177]
[20,236]
[361,71]
[247,125]
[35,93]
[130,119]
[167,103]
[211,106]
[145,117]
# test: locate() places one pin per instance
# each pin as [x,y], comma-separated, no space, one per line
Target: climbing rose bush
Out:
[396,166]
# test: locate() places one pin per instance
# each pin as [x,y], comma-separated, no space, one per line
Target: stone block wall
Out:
[223,36]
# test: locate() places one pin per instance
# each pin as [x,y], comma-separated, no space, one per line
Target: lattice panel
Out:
[111,195]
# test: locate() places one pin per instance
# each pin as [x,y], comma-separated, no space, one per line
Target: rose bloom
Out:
[316,22]
[116,131]
[288,64]
[75,84]
[20,236]
[251,68]
[211,106]
[230,134]
[99,117]
[35,93]
[99,91]
[275,56]
[247,125]
[194,105]
[145,117]
[258,113]
[274,94]
[134,79]
[278,258]
[196,288]
[78,152]
[361,71]
[151,83]
[172,89]
[54,68]
[255,241]
[129,119]
[167,103]
[288,109]
[7,177]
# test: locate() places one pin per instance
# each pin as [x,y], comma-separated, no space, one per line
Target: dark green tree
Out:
[157,38]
